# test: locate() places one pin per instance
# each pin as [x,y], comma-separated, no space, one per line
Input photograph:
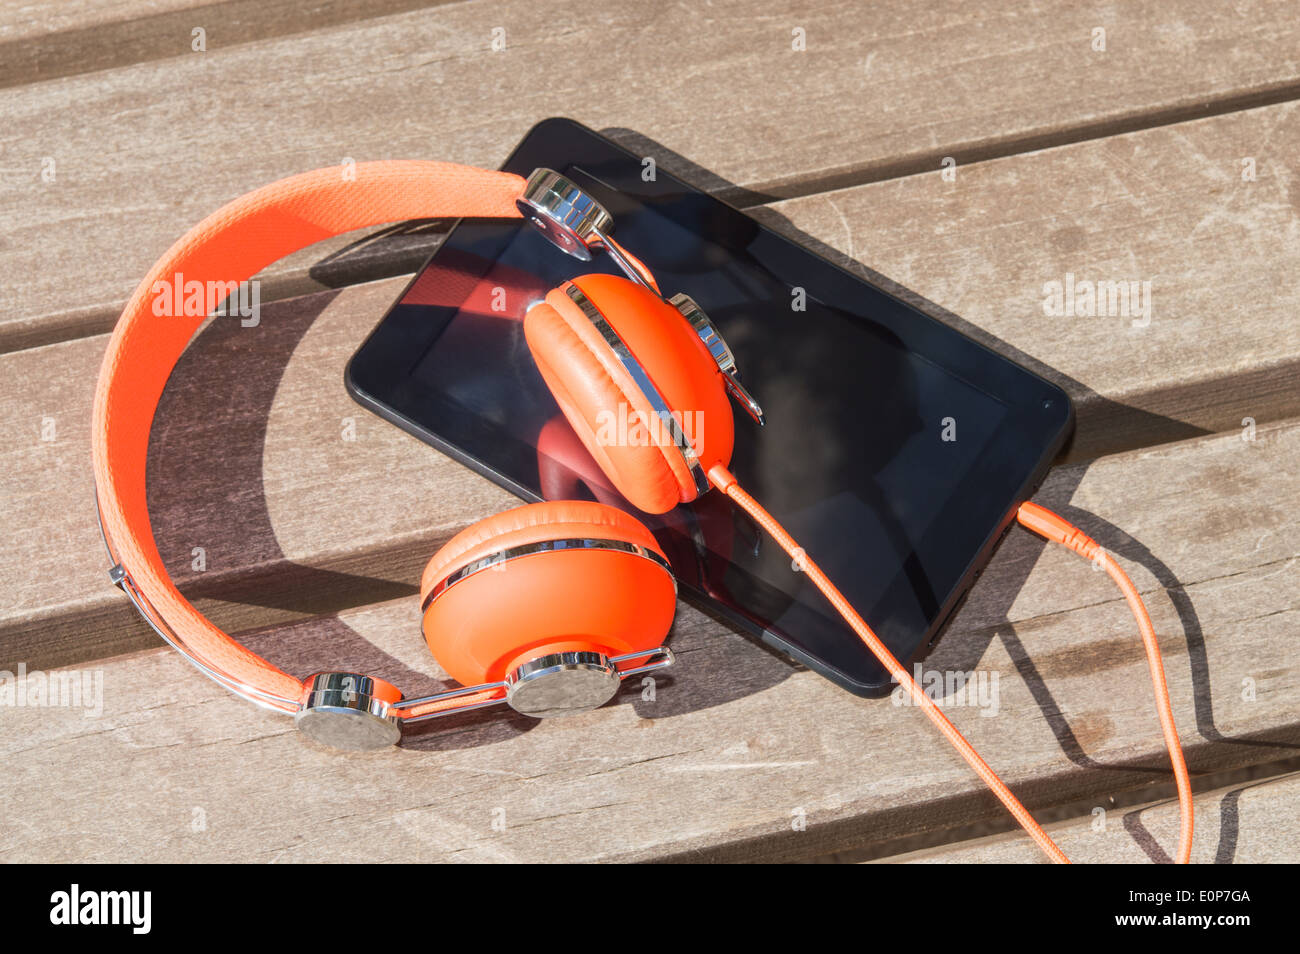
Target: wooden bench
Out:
[1127,164]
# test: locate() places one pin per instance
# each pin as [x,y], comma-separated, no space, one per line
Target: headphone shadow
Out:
[1229,824]
[206,489]
[216,409]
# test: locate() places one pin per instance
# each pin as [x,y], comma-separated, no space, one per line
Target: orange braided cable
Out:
[721,478]
[1058,530]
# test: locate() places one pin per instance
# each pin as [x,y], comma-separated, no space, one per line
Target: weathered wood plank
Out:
[1221,346]
[40,42]
[26,19]
[1250,823]
[140,153]
[736,745]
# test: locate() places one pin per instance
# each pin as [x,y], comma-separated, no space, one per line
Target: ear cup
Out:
[596,401]
[603,402]
[588,597]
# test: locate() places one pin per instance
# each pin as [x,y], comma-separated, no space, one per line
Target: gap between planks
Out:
[989,98]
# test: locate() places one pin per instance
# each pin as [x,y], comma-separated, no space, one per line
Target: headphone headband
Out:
[230,246]
[216,257]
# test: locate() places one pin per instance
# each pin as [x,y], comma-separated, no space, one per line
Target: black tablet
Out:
[896,450]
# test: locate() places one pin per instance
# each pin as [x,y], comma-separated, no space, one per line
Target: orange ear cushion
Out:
[594,395]
[602,601]
[603,403]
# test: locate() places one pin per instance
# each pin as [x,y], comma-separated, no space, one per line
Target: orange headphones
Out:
[545,607]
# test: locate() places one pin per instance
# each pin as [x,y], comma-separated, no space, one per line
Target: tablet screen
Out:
[876,450]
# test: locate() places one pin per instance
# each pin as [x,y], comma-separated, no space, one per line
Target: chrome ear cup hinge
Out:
[347,710]
[551,685]
[560,684]
[573,221]
[721,351]
[708,332]
[569,683]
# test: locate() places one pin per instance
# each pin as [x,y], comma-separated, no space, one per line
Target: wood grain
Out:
[738,756]
[1126,164]
[48,41]
[141,152]
[291,538]
[1250,823]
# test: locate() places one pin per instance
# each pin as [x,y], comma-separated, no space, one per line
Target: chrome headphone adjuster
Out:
[573,221]
[348,710]
[721,351]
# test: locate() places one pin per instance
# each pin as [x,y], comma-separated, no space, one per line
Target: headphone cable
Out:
[1054,528]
